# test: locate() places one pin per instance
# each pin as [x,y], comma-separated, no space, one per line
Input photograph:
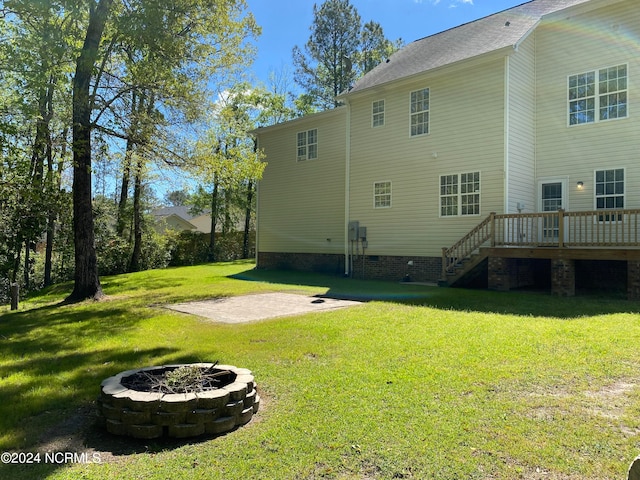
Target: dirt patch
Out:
[249,308]
[78,432]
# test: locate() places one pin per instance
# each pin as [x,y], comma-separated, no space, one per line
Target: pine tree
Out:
[339,50]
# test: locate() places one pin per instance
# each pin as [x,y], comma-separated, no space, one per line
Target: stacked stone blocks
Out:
[147,415]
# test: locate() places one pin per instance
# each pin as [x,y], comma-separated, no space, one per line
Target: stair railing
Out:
[464,247]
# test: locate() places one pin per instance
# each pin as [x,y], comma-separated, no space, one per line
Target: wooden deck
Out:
[557,236]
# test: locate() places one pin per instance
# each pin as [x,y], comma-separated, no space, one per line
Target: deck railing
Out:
[560,229]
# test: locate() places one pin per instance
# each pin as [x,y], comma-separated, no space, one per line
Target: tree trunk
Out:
[86,280]
[214,215]
[134,265]
[126,169]
[52,187]
[247,220]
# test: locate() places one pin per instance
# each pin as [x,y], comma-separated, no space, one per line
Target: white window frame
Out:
[307,145]
[613,195]
[377,113]
[452,194]
[382,198]
[418,111]
[594,94]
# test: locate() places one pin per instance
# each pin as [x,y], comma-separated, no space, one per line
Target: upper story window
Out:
[460,194]
[382,195]
[377,114]
[598,95]
[307,145]
[420,112]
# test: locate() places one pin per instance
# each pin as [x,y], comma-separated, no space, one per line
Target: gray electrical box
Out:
[362,233]
[354,228]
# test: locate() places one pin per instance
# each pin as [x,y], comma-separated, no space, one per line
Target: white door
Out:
[552,195]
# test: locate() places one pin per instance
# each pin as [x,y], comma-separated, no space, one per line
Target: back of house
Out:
[526,111]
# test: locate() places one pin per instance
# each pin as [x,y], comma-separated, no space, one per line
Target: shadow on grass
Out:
[521,303]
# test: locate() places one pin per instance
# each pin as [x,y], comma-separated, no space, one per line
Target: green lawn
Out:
[417,383]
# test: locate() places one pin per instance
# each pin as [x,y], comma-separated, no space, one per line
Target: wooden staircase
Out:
[463,268]
[466,254]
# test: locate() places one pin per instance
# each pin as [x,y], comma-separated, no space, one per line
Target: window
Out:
[598,95]
[420,112]
[609,190]
[382,195]
[460,194]
[307,145]
[377,114]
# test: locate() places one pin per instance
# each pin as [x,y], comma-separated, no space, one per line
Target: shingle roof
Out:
[181,211]
[488,34]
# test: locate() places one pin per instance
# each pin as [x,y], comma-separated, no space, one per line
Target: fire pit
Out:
[177,401]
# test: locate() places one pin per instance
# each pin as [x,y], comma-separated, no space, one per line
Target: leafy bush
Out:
[192,248]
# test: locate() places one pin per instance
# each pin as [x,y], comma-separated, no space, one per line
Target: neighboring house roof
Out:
[178,218]
[176,222]
[182,212]
[202,223]
[504,29]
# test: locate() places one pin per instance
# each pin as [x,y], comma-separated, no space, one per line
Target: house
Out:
[173,218]
[508,146]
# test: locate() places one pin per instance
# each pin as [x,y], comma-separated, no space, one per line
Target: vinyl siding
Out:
[466,134]
[601,38]
[521,126]
[301,204]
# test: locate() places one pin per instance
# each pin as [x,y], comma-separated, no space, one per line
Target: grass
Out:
[417,383]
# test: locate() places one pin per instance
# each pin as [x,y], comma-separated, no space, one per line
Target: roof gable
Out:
[488,34]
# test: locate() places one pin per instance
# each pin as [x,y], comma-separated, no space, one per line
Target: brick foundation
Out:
[396,268]
[505,274]
[371,267]
[563,277]
[633,279]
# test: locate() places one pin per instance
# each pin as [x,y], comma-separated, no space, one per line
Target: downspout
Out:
[347,196]
[507,129]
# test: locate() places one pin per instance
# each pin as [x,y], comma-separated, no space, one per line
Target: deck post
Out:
[560,228]
[444,263]
[492,215]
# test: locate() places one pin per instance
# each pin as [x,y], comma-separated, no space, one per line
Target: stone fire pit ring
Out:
[149,414]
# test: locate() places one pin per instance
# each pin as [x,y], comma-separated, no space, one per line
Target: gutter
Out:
[347,193]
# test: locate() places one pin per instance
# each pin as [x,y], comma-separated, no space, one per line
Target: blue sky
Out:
[285,23]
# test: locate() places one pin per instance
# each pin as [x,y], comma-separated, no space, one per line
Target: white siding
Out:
[601,38]
[521,126]
[466,134]
[301,204]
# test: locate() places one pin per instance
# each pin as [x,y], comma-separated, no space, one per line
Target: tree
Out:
[226,156]
[36,49]
[86,280]
[327,67]
[374,47]
[338,51]
[171,49]
[177,198]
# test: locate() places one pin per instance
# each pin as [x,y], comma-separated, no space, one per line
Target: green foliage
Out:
[192,248]
[114,251]
[189,248]
[339,50]
[146,73]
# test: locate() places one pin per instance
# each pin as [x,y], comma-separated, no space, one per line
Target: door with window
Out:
[552,195]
